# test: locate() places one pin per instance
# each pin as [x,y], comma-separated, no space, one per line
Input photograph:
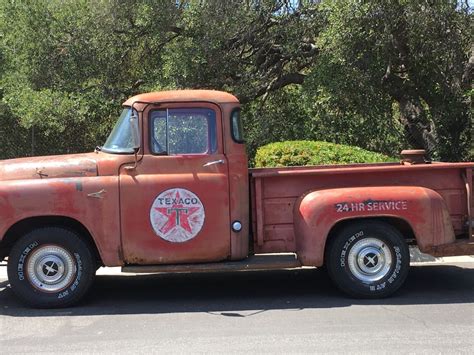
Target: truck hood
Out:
[57,166]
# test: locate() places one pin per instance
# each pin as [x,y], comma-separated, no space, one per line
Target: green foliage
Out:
[68,66]
[381,75]
[297,112]
[302,153]
[412,53]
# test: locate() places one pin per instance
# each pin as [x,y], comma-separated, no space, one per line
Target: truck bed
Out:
[275,190]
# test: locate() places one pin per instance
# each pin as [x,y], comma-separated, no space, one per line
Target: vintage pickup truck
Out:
[170,191]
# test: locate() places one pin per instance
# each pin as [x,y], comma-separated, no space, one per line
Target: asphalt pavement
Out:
[277,312]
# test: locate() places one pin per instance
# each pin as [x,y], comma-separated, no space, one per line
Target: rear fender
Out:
[317,212]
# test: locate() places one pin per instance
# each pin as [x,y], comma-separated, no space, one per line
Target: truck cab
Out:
[190,183]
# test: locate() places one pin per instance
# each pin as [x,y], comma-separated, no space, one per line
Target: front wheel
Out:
[50,267]
[368,259]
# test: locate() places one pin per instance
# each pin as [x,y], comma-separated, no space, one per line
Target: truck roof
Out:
[214,96]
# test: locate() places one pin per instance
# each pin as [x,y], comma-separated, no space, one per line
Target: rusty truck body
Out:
[170,191]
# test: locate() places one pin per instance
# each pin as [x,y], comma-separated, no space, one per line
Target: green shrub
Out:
[301,153]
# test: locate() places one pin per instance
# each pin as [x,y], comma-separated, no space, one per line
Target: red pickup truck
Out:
[170,191]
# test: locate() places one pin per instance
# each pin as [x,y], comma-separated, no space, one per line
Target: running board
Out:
[257,262]
[458,248]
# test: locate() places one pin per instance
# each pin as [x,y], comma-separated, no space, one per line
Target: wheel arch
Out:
[28,224]
[400,224]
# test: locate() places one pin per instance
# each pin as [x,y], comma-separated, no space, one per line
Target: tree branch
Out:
[278,83]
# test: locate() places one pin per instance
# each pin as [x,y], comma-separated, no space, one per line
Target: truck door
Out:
[175,204]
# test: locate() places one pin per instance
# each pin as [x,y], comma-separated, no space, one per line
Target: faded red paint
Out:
[317,212]
[293,209]
[60,166]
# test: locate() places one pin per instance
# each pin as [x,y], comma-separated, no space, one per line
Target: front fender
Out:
[69,197]
[317,212]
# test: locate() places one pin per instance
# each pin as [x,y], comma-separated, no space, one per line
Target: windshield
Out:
[120,140]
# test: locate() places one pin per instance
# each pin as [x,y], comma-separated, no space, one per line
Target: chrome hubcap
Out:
[51,268]
[370,259]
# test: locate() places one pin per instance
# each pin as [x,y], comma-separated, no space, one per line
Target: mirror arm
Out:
[134,166]
[136,149]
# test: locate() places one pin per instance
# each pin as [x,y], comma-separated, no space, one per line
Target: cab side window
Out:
[183,131]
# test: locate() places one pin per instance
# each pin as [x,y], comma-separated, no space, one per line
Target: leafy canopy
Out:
[382,75]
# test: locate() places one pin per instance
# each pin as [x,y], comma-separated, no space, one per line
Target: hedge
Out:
[301,153]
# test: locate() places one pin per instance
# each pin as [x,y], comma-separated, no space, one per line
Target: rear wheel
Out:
[50,267]
[368,259]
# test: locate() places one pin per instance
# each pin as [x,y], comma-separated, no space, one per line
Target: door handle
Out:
[220,161]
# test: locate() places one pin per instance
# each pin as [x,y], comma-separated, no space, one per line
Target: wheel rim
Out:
[51,268]
[370,260]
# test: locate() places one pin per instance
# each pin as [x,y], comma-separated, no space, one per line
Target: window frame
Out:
[167,109]
[232,133]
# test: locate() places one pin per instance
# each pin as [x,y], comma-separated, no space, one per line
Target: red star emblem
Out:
[177,215]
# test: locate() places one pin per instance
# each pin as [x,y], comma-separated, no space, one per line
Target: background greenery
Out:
[301,153]
[380,75]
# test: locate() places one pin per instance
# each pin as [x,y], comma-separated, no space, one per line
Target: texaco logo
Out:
[177,215]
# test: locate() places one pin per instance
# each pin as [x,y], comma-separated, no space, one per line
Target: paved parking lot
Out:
[259,312]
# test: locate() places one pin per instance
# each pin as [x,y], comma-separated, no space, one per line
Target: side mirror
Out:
[135,131]
[135,135]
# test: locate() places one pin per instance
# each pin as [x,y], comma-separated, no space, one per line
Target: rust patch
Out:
[40,173]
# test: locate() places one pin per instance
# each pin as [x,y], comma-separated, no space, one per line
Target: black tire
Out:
[368,259]
[50,267]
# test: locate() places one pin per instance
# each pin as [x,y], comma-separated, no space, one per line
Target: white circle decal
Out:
[177,215]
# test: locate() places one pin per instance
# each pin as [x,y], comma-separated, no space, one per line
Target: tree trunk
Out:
[419,131]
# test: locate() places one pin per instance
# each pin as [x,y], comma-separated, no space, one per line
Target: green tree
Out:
[69,64]
[376,74]
[413,52]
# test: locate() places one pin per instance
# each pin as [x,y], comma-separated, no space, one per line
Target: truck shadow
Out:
[246,293]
